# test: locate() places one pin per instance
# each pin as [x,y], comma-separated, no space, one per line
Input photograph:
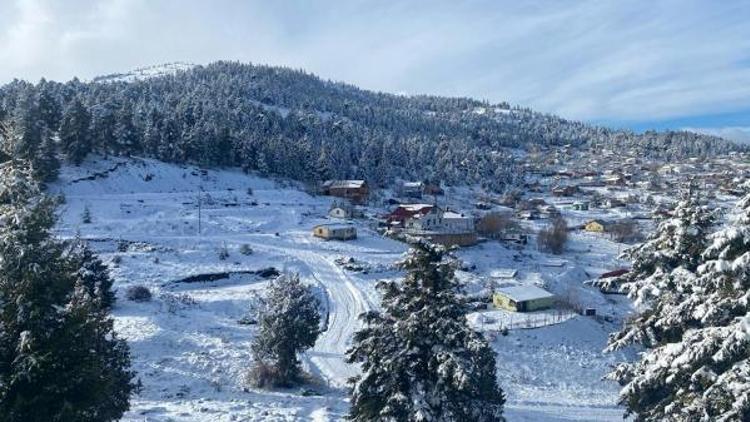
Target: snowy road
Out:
[345,303]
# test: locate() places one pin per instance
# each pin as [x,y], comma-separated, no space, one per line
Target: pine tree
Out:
[92,274]
[60,359]
[677,242]
[126,139]
[75,132]
[289,324]
[697,328]
[45,163]
[420,359]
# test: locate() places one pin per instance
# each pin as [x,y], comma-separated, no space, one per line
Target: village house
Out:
[335,232]
[597,226]
[569,190]
[581,205]
[356,191]
[453,222]
[522,298]
[411,189]
[548,211]
[444,227]
[404,212]
[343,210]
[527,214]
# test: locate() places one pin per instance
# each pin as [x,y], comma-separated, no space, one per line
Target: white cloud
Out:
[739,134]
[585,59]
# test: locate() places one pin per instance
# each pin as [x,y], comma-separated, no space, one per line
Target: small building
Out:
[517,238]
[356,191]
[504,273]
[596,226]
[411,189]
[527,214]
[522,298]
[343,210]
[568,190]
[581,206]
[335,232]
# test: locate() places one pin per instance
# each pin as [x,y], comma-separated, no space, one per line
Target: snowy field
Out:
[191,349]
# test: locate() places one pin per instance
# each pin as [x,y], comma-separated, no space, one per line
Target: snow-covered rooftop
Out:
[524,293]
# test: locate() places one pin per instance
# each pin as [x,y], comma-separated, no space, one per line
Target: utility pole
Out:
[199,210]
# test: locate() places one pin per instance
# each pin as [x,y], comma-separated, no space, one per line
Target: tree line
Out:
[288,123]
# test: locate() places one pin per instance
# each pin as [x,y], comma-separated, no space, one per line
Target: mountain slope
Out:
[289,123]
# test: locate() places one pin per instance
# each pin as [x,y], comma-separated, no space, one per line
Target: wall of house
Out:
[536,304]
[503,302]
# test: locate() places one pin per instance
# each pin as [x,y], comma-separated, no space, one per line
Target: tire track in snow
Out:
[345,303]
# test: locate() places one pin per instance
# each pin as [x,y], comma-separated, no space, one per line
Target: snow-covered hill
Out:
[146,72]
[189,346]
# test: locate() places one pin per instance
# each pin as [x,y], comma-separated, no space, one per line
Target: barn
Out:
[335,232]
[522,298]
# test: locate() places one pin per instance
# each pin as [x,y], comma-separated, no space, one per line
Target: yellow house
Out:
[522,298]
[335,232]
[596,226]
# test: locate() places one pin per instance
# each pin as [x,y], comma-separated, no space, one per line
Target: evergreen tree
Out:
[126,137]
[420,359]
[60,359]
[75,132]
[697,328]
[289,324]
[677,242]
[28,129]
[48,106]
[92,274]
[45,163]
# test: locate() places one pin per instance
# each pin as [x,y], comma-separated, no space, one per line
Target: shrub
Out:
[138,293]
[223,252]
[86,216]
[264,375]
[246,249]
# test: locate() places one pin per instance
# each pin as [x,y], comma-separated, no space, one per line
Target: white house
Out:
[440,221]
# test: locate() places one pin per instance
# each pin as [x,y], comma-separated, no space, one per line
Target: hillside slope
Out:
[289,123]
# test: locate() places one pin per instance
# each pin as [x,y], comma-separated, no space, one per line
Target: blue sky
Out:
[635,64]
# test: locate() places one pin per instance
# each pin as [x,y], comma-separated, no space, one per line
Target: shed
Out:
[335,232]
[522,298]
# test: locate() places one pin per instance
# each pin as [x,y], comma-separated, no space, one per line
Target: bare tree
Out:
[553,237]
[625,231]
[495,224]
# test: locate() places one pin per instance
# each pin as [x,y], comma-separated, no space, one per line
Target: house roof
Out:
[504,273]
[335,226]
[598,221]
[452,215]
[413,184]
[415,207]
[524,293]
[345,184]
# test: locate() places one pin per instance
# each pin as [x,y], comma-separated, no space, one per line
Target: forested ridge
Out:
[289,123]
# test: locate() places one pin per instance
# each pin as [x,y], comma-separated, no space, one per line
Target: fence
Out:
[516,321]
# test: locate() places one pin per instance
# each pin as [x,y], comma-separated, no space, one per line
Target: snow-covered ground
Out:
[190,349]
